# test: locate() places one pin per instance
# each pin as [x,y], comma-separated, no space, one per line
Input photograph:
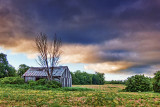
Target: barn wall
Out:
[66,79]
[30,78]
[63,80]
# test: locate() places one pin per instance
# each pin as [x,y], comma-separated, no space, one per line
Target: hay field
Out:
[101,95]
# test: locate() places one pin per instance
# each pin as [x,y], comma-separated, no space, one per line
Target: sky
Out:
[117,37]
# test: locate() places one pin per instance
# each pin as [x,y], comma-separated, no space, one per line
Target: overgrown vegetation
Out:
[83,78]
[41,84]
[53,84]
[12,80]
[138,83]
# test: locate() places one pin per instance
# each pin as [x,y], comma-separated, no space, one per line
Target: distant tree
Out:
[115,82]
[98,78]
[11,71]
[49,52]
[95,79]
[5,68]
[75,81]
[84,78]
[22,69]
[156,82]
[101,78]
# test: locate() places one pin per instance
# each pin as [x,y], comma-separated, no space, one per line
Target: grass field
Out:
[102,95]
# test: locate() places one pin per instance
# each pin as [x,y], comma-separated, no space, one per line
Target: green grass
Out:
[41,87]
[78,95]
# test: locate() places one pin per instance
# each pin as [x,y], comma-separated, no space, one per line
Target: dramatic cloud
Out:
[76,53]
[109,67]
[108,35]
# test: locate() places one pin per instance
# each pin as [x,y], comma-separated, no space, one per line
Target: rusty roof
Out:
[40,71]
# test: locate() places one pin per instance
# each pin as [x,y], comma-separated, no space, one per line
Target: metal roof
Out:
[40,71]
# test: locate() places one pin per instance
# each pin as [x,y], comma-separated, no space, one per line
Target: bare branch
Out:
[49,52]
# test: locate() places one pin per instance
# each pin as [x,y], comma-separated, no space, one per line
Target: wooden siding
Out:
[66,79]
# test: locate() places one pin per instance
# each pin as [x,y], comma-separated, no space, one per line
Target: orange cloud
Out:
[77,53]
[109,67]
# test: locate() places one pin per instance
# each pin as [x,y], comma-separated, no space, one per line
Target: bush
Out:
[138,83]
[57,83]
[32,83]
[156,82]
[12,80]
[53,84]
[41,82]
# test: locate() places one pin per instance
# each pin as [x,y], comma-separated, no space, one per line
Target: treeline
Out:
[115,82]
[84,78]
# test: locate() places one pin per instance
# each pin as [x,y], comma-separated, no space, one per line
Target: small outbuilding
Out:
[60,74]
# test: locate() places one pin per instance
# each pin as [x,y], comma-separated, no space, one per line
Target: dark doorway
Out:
[37,78]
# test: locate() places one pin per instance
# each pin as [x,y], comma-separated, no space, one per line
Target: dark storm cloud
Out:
[122,33]
[81,21]
[85,21]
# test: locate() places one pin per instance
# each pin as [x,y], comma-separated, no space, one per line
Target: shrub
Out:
[57,83]
[32,83]
[156,82]
[12,80]
[53,84]
[138,83]
[41,82]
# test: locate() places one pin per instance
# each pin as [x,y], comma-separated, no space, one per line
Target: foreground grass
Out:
[102,95]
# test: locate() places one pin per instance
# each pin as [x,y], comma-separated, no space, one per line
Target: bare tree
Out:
[49,53]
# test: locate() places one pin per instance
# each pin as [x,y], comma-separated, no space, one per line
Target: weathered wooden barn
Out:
[60,74]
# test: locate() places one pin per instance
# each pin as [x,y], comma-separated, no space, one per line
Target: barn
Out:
[60,74]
